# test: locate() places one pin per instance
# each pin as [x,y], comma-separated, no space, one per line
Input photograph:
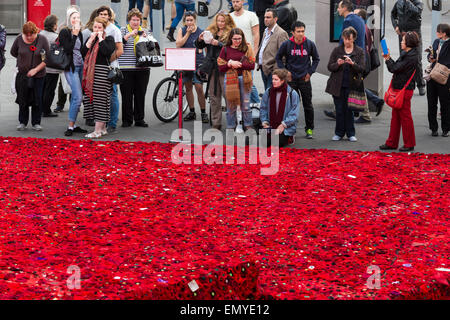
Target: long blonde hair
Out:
[229,25]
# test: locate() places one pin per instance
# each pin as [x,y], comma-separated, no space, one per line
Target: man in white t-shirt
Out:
[248,22]
[111,30]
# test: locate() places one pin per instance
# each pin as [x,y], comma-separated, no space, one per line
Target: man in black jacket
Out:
[406,15]
[287,14]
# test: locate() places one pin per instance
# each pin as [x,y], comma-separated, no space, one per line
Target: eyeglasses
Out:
[236,39]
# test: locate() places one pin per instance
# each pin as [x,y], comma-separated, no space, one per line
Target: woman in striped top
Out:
[96,86]
[134,86]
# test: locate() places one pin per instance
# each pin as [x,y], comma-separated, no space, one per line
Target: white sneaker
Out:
[352,139]
[21,127]
[336,138]
[37,127]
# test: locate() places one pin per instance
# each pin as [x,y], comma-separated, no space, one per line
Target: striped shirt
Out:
[127,60]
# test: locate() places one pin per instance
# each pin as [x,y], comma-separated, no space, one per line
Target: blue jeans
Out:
[133,3]
[373,97]
[180,11]
[344,116]
[266,79]
[163,15]
[254,95]
[245,107]
[251,5]
[114,112]
[74,80]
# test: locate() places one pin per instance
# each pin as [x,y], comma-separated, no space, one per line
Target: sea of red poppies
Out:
[120,220]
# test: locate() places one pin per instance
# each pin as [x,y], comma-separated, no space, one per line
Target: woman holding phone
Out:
[134,86]
[346,62]
[97,88]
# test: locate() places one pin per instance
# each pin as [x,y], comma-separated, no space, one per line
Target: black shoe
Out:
[90,122]
[58,109]
[79,130]
[142,124]
[422,91]
[404,149]
[68,132]
[126,124]
[190,116]
[434,133]
[330,114]
[49,115]
[205,118]
[170,35]
[386,147]
[362,120]
[380,107]
[445,134]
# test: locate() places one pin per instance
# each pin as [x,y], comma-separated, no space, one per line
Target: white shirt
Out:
[246,22]
[113,31]
[267,34]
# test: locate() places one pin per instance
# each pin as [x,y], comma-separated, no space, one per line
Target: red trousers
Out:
[402,119]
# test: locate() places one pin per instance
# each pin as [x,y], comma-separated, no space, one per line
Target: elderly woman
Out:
[219,29]
[30,50]
[97,88]
[403,70]
[280,106]
[134,86]
[346,63]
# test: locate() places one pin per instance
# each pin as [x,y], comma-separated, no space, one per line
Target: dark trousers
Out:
[344,116]
[304,90]
[283,140]
[36,107]
[435,92]
[418,77]
[50,83]
[62,96]
[267,80]
[135,3]
[133,90]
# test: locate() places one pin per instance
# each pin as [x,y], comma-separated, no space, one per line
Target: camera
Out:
[140,33]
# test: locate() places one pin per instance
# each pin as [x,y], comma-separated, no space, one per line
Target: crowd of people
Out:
[236,45]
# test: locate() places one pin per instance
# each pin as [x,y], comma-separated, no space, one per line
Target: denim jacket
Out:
[291,111]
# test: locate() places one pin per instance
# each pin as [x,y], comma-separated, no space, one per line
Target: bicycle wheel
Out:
[214,7]
[165,100]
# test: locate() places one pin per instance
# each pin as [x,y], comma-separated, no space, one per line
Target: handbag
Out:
[115,75]
[440,73]
[374,59]
[394,98]
[148,53]
[357,97]
[57,57]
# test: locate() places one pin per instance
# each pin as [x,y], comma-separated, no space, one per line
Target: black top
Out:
[407,15]
[106,49]
[403,69]
[260,6]
[67,41]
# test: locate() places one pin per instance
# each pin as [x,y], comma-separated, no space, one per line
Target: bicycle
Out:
[215,6]
[165,99]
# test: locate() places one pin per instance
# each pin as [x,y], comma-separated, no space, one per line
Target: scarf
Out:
[232,92]
[136,39]
[276,116]
[89,70]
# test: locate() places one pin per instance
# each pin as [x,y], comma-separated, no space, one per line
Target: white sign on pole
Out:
[180,59]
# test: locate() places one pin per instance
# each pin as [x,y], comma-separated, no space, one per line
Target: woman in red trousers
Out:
[403,70]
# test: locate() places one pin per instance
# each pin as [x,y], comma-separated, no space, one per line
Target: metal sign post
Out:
[157,26]
[435,18]
[180,59]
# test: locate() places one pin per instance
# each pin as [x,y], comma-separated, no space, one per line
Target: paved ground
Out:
[370,136]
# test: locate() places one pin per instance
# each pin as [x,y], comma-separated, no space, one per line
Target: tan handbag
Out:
[440,73]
